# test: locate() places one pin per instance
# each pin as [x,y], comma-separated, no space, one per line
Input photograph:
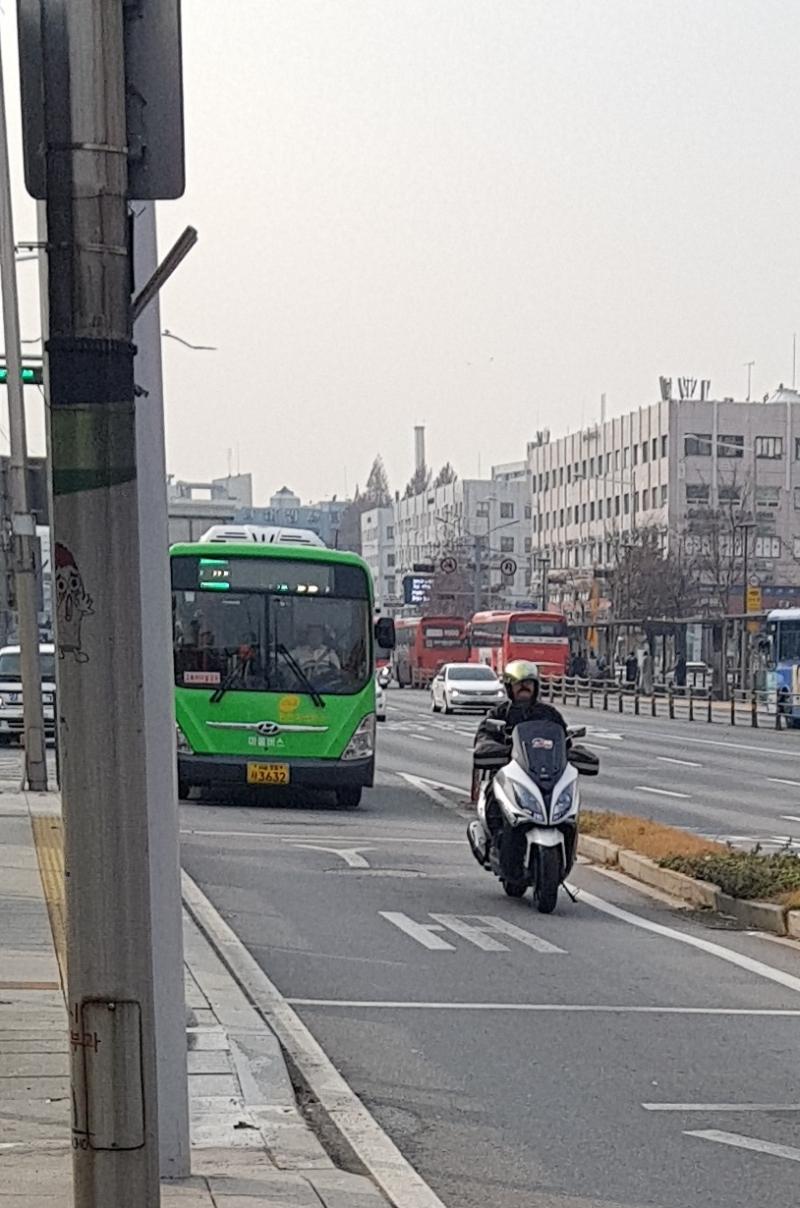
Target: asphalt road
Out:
[520,1060]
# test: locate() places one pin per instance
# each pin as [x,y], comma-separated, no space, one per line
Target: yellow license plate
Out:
[267,773]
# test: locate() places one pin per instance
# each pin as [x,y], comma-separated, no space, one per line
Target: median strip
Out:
[761,891]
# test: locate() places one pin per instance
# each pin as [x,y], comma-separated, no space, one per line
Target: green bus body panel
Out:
[341,714]
[340,717]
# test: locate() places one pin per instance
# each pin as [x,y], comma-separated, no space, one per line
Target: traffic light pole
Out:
[23,525]
[99,632]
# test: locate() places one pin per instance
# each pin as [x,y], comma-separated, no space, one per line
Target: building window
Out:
[569,475]
[390,559]
[730,446]
[626,504]
[561,476]
[591,467]
[506,511]
[577,513]
[645,500]
[635,502]
[797,448]
[769,447]
[583,468]
[664,445]
[591,510]
[389,582]
[797,499]
[528,545]
[697,444]
[697,492]
[768,497]
[644,451]
[599,509]
[576,470]
[583,512]
[616,505]
[608,463]
[768,547]
[389,532]
[664,492]
[528,511]
[507,545]
[730,492]
[635,454]
[616,459]
[655,448]
[482,511]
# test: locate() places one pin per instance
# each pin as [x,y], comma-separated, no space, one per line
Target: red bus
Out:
[497,638]
[423,643]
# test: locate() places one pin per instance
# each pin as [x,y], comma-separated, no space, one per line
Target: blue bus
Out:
[783,674]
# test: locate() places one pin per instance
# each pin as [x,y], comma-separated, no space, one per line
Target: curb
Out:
[758,916]
[356,1130]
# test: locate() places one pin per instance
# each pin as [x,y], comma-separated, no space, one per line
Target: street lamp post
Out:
[745,527]
[544,563]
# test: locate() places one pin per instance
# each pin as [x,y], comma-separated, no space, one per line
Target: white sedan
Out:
[466,686]
[380,698]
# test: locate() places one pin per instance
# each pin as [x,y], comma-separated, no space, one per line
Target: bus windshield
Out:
[788,642]
[10,668]
[270,625]
[519,628]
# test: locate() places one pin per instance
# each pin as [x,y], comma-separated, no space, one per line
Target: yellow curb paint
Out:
[48,837]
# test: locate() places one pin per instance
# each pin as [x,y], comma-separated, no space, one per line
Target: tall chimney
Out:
[419,447]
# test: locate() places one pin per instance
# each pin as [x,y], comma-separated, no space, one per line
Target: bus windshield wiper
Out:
[301,675]
[228,682]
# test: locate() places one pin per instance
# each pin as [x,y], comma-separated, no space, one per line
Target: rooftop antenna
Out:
[749,367]
[602,408]
[794,360]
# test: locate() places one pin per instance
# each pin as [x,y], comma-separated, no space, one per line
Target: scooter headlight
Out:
[565,801]
[527,800]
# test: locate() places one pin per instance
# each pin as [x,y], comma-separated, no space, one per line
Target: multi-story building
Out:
[378,551]
[707,474]
[483,520]
[323,518]
[193,507]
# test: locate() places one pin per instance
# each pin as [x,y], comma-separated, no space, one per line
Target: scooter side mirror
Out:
[584,761]
[495,725]
[576,732]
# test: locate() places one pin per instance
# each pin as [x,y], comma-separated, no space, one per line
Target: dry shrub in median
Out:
[648,838]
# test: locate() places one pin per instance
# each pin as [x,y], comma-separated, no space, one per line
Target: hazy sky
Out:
[473,214]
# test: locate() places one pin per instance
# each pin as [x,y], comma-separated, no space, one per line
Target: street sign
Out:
[417,589]
[508,567]
[753,599]
[448,566]
[154,92]
[423,568]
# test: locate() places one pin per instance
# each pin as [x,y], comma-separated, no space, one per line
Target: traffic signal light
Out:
[31,375]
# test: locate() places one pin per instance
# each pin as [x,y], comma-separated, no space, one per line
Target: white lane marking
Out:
[423,933]
[608,735]
[519,933]
[477,928]
[790,817]
[596,746]
[721,1107]
[643,788]
[333,838]
[421,737]
[431,789]
[740,1142]
[738,746]
[779,780]
[685,763]
[468,931]
[351,855]
[693,941]
[542,1008]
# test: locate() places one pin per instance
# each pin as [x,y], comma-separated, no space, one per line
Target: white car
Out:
[466,686]
[380,699]
[11,712]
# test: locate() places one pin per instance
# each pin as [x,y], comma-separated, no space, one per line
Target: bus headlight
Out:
[183,742]
[362,744]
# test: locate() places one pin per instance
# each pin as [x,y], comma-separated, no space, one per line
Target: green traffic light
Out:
[31,375]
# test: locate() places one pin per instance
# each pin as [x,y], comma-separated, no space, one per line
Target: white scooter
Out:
[526,831]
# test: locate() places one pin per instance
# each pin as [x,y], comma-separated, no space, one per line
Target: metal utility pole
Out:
[477,586]
[544,563]
[23,525]
[99,633]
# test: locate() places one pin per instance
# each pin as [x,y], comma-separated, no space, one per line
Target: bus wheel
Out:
[349,798]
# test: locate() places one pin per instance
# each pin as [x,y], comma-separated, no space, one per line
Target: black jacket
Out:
[514,715]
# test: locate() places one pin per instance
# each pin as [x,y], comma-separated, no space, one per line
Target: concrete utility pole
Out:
[93,450]
[23,524]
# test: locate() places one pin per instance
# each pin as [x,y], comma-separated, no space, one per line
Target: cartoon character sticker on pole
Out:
[73,603]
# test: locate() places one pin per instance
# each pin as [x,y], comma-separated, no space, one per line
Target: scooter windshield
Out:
[540,747]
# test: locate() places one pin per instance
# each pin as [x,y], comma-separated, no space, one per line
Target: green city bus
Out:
[274,660]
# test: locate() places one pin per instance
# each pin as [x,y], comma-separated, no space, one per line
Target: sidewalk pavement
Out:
[251,1147]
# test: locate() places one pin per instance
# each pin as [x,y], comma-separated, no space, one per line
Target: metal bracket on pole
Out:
[177,253]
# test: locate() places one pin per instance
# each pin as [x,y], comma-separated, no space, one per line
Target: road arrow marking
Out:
[739,1142]
[351,855]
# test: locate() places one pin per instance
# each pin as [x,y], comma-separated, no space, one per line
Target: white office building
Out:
[378,551]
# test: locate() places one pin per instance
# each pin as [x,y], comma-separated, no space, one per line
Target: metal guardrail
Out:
[670,702]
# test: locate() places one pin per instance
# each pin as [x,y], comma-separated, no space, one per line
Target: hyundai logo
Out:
[267,728]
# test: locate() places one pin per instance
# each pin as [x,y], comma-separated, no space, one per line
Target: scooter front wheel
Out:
[515,889]
[548,879]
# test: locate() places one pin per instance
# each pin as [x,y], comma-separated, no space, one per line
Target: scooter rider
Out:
[522,684]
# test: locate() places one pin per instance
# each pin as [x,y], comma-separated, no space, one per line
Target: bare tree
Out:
[446,475]
[376,492]
[418,483]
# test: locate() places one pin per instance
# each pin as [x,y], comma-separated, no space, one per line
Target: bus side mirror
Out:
[385,634]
